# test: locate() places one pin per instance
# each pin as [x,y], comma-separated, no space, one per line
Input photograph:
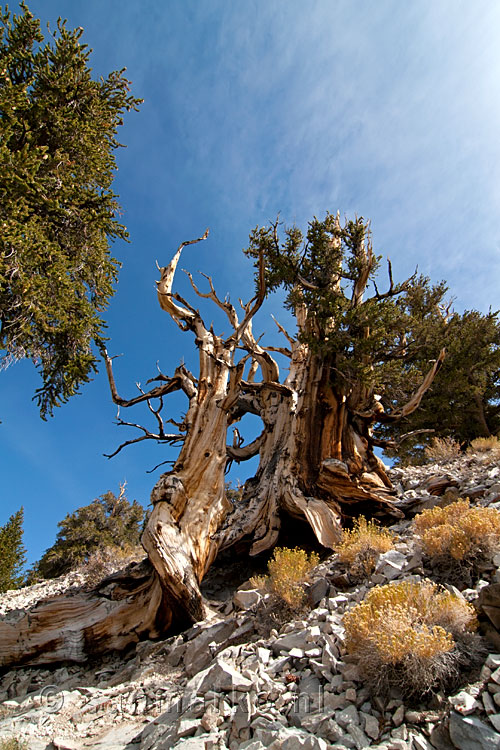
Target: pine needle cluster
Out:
[58,214]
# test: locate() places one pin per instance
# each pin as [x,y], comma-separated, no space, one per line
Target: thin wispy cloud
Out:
[389,110]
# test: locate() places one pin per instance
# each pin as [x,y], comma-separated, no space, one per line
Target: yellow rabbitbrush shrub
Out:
[442,449]
[485,445]
[412,636]
[289,569]
[459,533]
[361,546]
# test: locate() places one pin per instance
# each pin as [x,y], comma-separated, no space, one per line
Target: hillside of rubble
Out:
[240,681]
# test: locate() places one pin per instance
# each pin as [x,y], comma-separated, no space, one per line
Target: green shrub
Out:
[107,522]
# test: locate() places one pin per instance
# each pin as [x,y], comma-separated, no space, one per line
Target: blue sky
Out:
[389,110]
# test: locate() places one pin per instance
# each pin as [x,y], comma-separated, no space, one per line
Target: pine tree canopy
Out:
[108,521]
[383,342]
[12,552]
[58,214]
[464,402]
[330,277]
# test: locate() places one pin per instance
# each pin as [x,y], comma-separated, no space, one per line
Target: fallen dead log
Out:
[126,607]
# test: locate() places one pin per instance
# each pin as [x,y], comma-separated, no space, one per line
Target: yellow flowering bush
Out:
[361,546]
[485,445]
[288,569]
[458,531]
[13,743]
[405,635]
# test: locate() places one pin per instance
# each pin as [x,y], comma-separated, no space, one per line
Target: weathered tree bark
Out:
[317,464]
[317,459]
[123,609]
[316,454]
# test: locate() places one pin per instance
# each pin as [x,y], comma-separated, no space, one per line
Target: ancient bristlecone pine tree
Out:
[316,448]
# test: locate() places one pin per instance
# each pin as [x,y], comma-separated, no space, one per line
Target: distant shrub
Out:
[110,521]
[485,445]
[361,546]
[458,538]
[289,570]
[106,560]
[442,449]
[13,743]
[410,636]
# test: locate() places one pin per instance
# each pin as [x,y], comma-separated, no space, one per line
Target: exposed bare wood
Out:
[183,314]
[394,289]
[316,457]
[309,285]
[364,254]
[415,400]
[252,307]
[162,463]
[124,609]
[268,365]
[395,444]
[252,371]
[233,391]
[243,453]
[377,413]
[224,305]
[160,436]
[279,350]
[171,384]
[188,382]
[283,330]
[189,501]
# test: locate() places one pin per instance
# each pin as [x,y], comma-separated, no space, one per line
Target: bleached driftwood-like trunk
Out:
[124,609]
[189,501]
[317,460]
[316,464]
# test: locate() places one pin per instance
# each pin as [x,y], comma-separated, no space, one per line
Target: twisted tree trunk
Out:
[316,463]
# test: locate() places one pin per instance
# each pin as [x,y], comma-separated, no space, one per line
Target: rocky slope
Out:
[225,684]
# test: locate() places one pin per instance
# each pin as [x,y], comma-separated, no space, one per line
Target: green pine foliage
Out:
[58,214]
[109,521]
[386,344]
[368,344]
[463,402]
[12,553]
